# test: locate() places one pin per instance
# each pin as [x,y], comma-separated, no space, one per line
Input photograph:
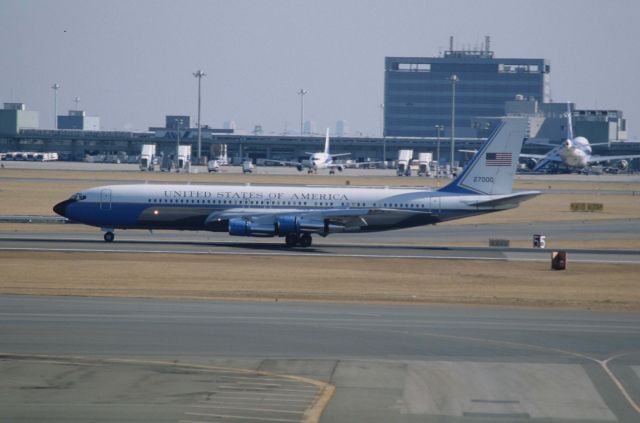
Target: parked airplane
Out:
[318,160]
[296,213]
[573,154]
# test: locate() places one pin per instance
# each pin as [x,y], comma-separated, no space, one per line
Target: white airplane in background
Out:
[297,212]
[318,160]
[573,153]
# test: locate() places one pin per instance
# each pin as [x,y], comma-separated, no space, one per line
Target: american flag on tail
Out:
[498,159]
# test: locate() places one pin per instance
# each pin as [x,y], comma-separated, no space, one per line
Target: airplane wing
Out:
[546,160]
[363,164]
[286,163]
[340,154]
[532,156]
[348,219]
[601,159]
[540,144]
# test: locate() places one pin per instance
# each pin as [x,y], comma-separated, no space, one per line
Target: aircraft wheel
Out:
[305,240]
[109,236]
[291,240]
[332,172]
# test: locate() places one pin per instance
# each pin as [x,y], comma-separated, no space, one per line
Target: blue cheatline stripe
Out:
[126,215]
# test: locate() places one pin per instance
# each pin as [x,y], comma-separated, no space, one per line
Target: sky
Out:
[132,62]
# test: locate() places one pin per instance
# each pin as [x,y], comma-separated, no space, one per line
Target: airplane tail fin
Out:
[326,142]
[492,169]
[569,126]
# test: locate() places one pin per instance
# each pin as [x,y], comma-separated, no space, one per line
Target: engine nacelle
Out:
[622,164]
[287,225]
[531,163]
[340,168]
[299,167]
[242,227]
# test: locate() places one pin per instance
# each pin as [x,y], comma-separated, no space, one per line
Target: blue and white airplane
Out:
[296,213]
[573,154]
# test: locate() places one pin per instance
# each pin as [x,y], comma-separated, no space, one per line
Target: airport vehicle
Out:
[404,162]
[213,166]
[147,157]
[184,157]
[574,154]
[424,164]
[318,160]
[297,212]
[46,157]
[247,166]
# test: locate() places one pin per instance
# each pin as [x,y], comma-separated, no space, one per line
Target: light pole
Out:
[177,159]
[454,80]
[301,93]
[384,142]
[199,74]
[55,87]
[438,128]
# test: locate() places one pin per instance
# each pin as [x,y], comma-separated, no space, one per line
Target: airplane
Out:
[297,212]
[318,160]
[573,154]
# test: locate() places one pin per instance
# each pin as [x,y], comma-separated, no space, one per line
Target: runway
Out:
[412,243]
[149,360]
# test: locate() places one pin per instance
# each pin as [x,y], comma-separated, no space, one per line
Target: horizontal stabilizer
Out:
[506,200]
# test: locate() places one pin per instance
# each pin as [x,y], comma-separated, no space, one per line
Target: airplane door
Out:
[434,205]
[105,199]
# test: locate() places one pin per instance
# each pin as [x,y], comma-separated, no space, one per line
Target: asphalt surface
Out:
[410,243]
[63,360]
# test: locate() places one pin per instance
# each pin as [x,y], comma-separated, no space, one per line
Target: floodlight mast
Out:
[454,79]
[302,93]
[55,87]
[199,74]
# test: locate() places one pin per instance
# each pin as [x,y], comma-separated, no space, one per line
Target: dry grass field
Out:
[613,287]
[30,192]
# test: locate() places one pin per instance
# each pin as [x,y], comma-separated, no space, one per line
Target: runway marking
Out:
[311,414]
[227,416]
[271,401]
[604,364]
[269,410]
[259,395]
[310,254]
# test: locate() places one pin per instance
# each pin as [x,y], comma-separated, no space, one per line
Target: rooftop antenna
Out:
[451,43]
[487,43]
[77,101]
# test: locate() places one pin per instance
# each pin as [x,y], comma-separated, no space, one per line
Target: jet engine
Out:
[286,225]
[622,164]
[242,227]
[531,163]
[299,167]
[340,168]
[567,144]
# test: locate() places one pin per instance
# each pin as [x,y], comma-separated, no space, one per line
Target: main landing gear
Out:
[109,236]
[302,240]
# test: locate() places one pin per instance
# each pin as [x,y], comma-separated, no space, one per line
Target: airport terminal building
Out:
[419,91]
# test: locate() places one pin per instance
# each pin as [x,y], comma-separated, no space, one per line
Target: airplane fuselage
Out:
[194,207]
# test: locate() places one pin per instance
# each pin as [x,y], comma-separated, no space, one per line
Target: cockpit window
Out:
[78,196]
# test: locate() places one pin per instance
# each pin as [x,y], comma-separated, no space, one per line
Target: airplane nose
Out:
[61,208]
